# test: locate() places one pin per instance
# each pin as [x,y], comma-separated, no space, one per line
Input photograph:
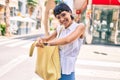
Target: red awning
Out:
[106,2]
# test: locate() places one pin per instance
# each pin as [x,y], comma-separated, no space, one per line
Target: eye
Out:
[63,14]
[58,17]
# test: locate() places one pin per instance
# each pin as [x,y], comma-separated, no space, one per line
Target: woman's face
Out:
[64,18]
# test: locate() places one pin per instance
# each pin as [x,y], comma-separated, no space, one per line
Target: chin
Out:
[66,26]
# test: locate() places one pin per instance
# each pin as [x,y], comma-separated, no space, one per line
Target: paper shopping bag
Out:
[47,62]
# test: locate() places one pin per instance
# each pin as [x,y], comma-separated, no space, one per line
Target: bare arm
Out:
[50,37]
[45,39]
[79,31]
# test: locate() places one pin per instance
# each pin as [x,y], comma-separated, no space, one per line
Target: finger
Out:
[39,45]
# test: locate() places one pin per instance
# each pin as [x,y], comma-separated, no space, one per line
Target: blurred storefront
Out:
[106,20]
[20,21]
[13,4]
[2,4]
[7,9]
[21,25]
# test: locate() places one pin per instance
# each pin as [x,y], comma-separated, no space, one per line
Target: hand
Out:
[39,42]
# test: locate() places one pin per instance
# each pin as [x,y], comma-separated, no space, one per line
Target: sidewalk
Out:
[100,53]
[38,31]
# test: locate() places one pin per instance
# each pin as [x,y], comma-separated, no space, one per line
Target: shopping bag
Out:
[47,62]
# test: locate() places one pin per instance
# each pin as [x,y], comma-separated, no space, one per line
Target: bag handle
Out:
[32,48]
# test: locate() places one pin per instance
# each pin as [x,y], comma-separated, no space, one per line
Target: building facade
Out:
[106,20]
[18,15]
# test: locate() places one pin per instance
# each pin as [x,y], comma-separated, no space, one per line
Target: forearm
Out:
[61,41]
[50,37]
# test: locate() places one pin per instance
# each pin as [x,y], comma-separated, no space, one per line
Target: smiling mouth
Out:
[64,22]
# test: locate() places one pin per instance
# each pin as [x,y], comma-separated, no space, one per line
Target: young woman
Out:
[69,36]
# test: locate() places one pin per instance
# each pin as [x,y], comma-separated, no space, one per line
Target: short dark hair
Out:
[60,8]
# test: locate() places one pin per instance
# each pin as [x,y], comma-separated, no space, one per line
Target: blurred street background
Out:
[22,21]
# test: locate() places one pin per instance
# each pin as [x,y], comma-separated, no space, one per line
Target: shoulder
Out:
[81,26]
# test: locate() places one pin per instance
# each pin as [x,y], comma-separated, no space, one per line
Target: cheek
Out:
[60,22]
[68,17]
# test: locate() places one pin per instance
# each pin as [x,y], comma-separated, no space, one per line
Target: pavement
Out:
[35,32]
[95,61]
[97,52]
